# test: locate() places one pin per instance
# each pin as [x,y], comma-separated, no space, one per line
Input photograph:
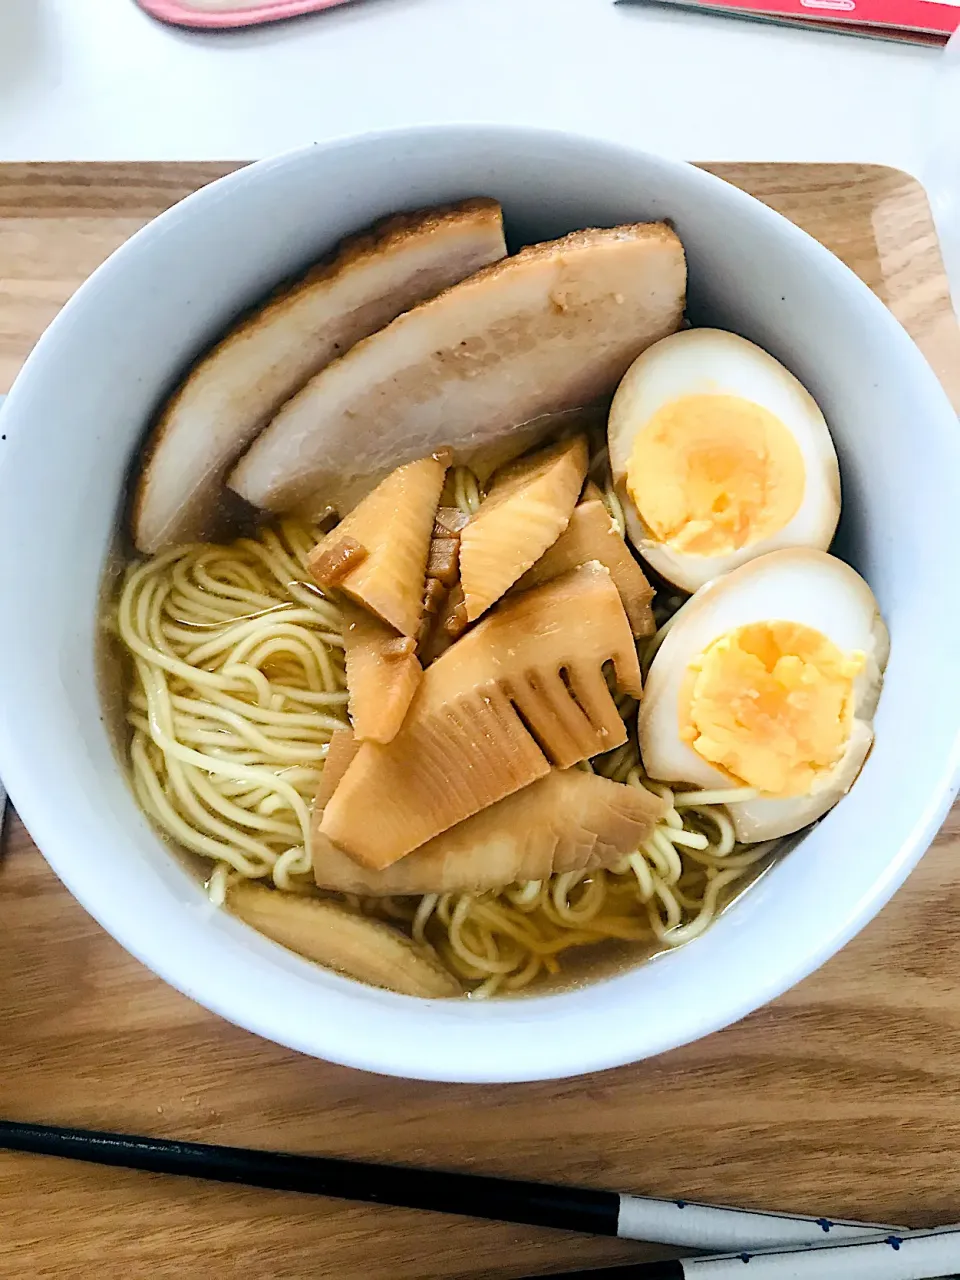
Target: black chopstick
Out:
[603,1213]
[594,1212]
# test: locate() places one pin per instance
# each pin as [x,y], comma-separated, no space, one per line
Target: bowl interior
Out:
[73,422]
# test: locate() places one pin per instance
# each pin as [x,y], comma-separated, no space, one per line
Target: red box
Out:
[915,21]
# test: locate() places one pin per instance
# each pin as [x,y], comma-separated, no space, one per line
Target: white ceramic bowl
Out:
[72,424]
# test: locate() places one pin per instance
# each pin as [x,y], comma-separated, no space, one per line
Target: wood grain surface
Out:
[840,1097]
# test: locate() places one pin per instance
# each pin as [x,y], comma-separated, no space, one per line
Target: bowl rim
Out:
[412,1060]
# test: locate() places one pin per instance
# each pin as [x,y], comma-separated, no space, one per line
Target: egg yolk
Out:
[771,704]
[710,474]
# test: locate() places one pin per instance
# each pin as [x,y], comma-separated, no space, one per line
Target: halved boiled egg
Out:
[764,688]
[719,455]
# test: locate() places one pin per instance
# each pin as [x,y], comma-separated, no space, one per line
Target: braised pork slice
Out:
[523,691]
[554,327]
[237,387]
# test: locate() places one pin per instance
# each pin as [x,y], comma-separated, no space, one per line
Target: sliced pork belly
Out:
[236,388]
[550,329]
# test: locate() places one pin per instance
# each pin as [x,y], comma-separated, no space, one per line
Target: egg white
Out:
[798,585]
[713,362]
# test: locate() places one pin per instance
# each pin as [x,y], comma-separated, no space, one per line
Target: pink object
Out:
[230,13]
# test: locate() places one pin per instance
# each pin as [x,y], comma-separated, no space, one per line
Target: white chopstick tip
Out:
[691,1225]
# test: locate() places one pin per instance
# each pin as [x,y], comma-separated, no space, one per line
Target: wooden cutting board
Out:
[841,1097]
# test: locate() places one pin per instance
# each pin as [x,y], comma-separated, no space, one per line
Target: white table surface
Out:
[98,79]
